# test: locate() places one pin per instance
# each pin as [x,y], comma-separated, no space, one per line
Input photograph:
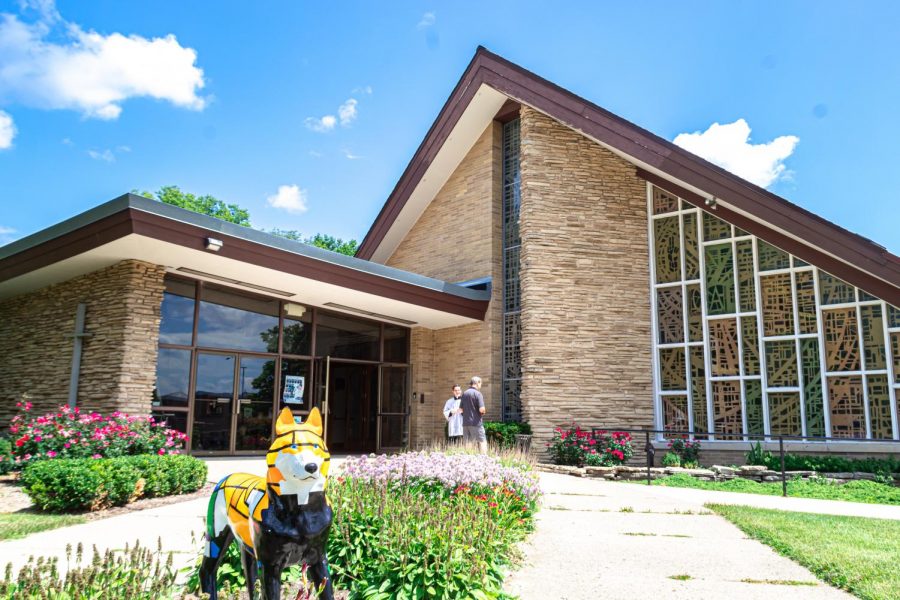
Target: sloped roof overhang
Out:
[850,256]
[139,228]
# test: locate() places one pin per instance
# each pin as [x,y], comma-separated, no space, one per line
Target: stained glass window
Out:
[893,316]
[895,353]
[777,304]
[753,398]
[750,344]
[675,411]
[879,406]
[806,302]
[668,250]
[812,387]
[720,297]
[845,397]
[663,202]
[784,413]
[873,337]
[670,315]
[698,389]
[841,340]
[835,291]
[672,369]
[771,258]
[695,313]
[723,348]
[746,276]
[715,228]
[727,409]
[691,247]
[781,364]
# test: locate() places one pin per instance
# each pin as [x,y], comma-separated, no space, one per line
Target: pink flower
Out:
[51,454]
[96,456]
[161,451]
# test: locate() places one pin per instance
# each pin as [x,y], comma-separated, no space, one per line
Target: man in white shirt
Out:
[453,414]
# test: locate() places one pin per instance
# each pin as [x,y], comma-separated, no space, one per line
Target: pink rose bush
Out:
[70,433]
[579,447]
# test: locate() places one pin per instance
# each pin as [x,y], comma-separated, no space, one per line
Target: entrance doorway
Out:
[352,407]
[233,403]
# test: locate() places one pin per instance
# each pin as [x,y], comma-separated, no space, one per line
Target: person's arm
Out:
[480,403]
[448,409]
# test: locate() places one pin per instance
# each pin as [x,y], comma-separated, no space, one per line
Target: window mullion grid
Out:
[740,335]
[820,321]
[891,378]
[763,368]
[654,325]
[862,364]
[707,365]
[684,316]
[801,379]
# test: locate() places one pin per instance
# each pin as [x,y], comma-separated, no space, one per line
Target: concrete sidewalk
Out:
[597,539]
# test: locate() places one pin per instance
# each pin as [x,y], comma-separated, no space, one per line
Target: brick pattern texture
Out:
[585,283]
[457,238]
[118,362]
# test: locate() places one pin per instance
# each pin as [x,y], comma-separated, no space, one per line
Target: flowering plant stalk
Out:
[70,433]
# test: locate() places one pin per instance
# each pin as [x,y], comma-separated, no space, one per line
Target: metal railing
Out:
[735,437]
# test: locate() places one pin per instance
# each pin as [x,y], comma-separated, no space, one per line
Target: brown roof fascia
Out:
[596,122]
[190,236]
[508,112]
[838,268]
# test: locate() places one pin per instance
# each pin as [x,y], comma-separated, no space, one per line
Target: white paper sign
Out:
[293,389]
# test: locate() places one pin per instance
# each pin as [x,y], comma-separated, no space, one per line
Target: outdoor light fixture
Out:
[294,310]
[711,203]
[213,244]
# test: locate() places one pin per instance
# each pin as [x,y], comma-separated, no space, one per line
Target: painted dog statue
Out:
[279,520]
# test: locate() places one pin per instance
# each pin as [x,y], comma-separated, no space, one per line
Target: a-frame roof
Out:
[490,80]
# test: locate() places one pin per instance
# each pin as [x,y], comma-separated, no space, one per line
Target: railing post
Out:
[783,476]
[648,447]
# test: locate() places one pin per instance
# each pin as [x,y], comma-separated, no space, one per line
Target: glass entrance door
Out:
[392,409]
[214,402]
[233,403]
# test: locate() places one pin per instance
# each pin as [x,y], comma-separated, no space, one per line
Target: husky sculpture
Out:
[278,520]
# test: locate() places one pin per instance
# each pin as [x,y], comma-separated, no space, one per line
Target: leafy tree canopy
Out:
[212,206]
[205,205]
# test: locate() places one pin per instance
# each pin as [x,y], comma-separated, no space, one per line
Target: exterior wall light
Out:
[213,244]
[711,203]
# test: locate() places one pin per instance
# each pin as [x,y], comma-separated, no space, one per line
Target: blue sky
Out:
[826,73]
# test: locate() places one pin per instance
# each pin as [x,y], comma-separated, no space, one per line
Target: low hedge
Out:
[822,464]
[504,434]
[78,484]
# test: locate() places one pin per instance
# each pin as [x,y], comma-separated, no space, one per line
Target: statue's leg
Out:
[271,582]
[320,574]
[251,571]
[216,545]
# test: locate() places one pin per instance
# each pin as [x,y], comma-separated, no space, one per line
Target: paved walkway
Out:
[605,539]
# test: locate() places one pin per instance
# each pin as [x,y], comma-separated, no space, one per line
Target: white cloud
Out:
[729,147]
[7,130]
[67,142]
[427,20]
[86,71]
[7,234]
[104,155]
[290,198]
[315,154]
[347,112]
[366,89]
[322,124]
[349,155]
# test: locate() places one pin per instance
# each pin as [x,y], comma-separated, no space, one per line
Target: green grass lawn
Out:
[854,491]
[20,524]
[857,554]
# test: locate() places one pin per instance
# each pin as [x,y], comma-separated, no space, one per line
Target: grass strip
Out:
[869,492]
[19,524]
[856,554]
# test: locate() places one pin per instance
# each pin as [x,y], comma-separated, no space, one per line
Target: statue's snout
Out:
[311,467]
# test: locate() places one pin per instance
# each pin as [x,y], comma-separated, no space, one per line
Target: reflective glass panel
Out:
[235,321]
[176,325]
[173,371]
[346,337]
[396,344]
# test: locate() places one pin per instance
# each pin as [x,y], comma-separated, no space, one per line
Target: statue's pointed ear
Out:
[285,422]
[314,421]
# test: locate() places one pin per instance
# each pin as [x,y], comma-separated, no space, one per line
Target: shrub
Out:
[504,433]
[6,457]
[136,574]
[687,451]
[576,446]
[822,464]
[77,484]
[670,459]
[69,433]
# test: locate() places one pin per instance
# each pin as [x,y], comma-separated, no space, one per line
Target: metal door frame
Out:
[379,413]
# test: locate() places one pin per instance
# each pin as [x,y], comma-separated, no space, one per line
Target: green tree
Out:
[205,205]
[320,240]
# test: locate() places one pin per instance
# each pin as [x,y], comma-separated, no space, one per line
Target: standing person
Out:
[473,409]
[453,414]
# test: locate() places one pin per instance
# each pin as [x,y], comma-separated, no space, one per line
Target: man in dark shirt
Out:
[472,403]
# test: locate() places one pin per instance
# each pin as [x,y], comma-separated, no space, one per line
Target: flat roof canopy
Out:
[134,227]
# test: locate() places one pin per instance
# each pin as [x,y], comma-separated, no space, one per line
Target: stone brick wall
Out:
[457,238]
[585,283]
[118,363]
